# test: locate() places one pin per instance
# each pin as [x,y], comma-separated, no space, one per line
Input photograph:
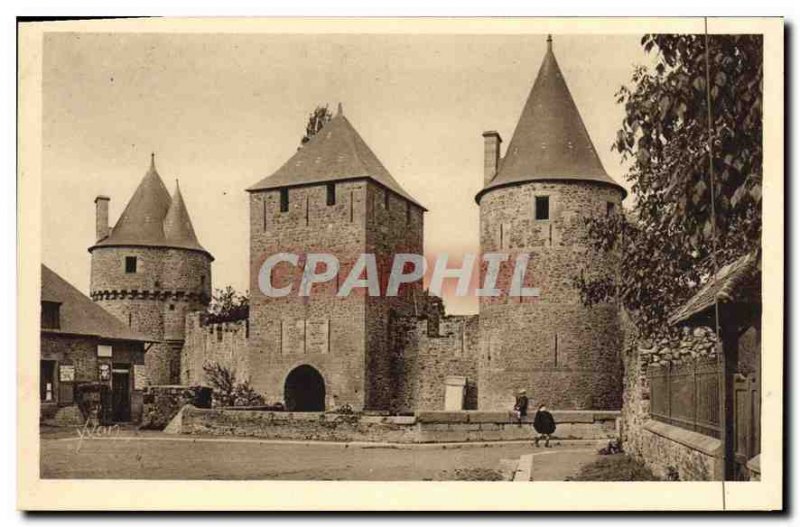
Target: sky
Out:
[222,111]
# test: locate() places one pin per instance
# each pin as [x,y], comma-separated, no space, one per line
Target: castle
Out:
[385,353]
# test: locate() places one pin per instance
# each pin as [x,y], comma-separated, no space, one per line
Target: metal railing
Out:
[687,395]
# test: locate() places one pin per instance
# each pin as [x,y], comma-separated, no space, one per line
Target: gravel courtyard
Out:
[159,456]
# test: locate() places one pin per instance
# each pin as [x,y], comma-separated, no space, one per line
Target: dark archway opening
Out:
[304,390]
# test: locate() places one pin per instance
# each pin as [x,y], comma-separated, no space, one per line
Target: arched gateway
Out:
[304,390]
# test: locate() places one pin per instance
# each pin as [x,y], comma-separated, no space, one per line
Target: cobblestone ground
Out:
[157,456]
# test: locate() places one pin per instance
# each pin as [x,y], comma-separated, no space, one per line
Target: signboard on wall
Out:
[66,373]
[139,377]
[104,351]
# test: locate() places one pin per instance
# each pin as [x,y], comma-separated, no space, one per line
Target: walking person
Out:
[545,426]
[521,406]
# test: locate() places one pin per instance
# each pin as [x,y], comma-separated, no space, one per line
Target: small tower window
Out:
[408,212]
[284,199]
[542,207]
[330,198]
[609,208]
[130,264]
[386,199]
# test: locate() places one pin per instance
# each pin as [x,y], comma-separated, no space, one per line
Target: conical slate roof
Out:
[178,229]
[335,153]
[153,219]
[550,141]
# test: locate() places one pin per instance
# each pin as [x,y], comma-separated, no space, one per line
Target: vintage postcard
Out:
[460,264]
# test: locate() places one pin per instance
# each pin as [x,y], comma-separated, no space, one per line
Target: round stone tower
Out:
[150,271]
[535,201]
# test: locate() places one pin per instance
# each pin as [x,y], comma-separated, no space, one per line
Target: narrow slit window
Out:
[609,208]
[264,217]
[386,199]
[351,206]
[542,208]
[408,213]
[284,199]
[555,351]
[130,264]
[330,198]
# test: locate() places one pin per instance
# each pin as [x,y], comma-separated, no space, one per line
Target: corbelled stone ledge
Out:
[423,427]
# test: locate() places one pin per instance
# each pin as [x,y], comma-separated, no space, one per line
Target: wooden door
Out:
[121,393]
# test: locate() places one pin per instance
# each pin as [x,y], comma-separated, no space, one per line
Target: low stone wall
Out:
[673,453]
[162,403]
[424,427]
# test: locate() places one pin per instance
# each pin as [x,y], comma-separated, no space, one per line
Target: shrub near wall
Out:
[162,403]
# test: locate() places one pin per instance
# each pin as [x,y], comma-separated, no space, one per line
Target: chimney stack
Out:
[101,216]
[491,155]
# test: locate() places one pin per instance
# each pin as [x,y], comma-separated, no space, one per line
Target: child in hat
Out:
[544,424]
[521,406]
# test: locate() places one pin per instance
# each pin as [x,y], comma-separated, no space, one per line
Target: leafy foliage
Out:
[228,392]
[316,120]
[667,240]
[227,306]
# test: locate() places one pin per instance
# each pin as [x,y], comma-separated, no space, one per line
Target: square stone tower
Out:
[322,351]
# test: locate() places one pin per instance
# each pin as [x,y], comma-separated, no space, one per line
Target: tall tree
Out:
[316,120]
[668,237]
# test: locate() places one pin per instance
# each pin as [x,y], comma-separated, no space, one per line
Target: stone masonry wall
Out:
[565,354]
[225,343]
[279,326]
[394,225]
[670,452]
[81,352]
[428,354]
[168,284]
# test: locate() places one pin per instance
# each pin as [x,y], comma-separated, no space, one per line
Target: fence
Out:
[687,395]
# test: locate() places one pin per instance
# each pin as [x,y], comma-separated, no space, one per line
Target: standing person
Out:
[545,425]
[521,406]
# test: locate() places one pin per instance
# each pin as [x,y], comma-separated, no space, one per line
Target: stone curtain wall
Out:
[669,451]
[428,351]
[563,353]
[225,343]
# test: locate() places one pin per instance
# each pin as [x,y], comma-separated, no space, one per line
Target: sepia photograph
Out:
[530,251]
